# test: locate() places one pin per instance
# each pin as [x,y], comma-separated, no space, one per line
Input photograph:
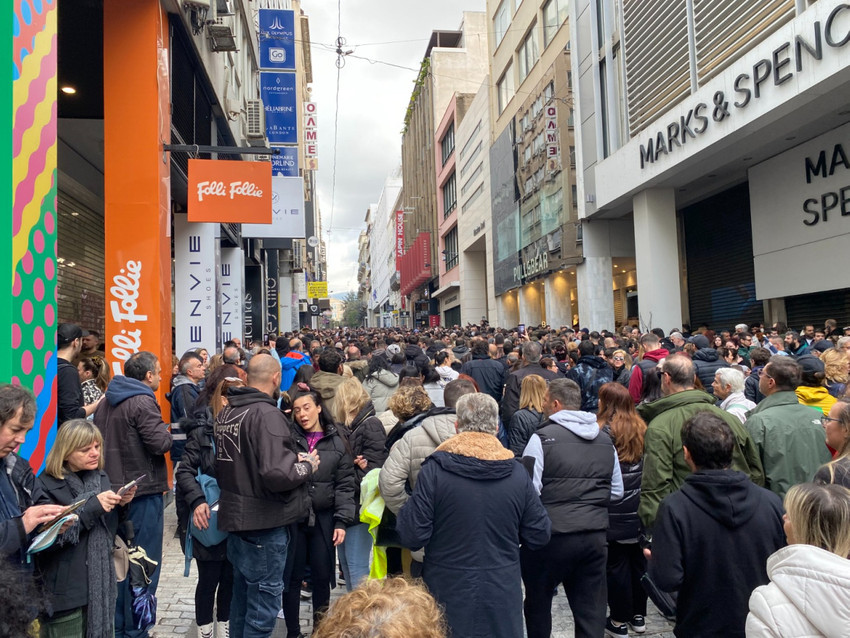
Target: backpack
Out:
[212,535]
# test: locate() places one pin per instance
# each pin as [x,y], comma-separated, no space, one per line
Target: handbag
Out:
[121,558]
[212,535]
[386,535]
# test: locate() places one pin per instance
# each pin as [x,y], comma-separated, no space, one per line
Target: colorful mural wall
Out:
[31,315]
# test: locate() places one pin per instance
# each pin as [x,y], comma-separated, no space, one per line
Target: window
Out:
[554,15]
[472,157]
[476,173]
[501,21]
[528,53]
[571,119]
[574,194]
[448,143]
[449,196]
[570,80]
[573,156]
[450,251]
[505,87]
[471,139]
[526,154]
[538,144]
[549,92]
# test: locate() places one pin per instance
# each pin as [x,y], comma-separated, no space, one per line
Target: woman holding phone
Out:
[77,571]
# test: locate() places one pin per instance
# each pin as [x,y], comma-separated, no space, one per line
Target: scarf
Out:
[100,617]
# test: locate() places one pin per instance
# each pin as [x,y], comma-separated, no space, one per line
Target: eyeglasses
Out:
[826,419]
[763,373]
[618,358]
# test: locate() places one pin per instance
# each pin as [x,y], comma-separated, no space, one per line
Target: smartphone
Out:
[521,328]
[130,485]
[71,508]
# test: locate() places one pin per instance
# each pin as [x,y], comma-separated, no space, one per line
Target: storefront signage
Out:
[317,289]
[553,149]
[399,238]
[277,39]
[278,93]
[793,56]
[311,140]
[123,306]
[229,192]
[195,295]
[287,211]
[800,211]
[285,163]
[232,287]
[533,265]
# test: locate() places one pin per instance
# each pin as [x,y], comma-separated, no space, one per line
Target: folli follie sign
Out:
[230,192]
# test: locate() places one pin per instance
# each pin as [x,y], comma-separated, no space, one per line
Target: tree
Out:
[354,311]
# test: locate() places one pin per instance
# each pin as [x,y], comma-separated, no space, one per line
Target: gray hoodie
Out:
[584,425]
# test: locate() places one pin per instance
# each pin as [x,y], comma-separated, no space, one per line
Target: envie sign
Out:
[230,192]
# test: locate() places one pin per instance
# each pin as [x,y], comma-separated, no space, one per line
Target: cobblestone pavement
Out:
[176,596]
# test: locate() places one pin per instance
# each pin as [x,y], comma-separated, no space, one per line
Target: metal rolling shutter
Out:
[657,65]
[719,257]
[815,308]
[80,279]
[726,28]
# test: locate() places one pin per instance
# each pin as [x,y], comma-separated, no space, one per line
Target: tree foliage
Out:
[354,311]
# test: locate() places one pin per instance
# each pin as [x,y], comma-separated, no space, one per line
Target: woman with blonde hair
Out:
[367,440]
[809,592]
[836,427]
[77,571]
[390,608]
[622,363]
[837,369]
[529,417]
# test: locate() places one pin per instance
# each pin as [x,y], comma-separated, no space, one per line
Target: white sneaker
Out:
[280,615]
[222,629]
[205,631]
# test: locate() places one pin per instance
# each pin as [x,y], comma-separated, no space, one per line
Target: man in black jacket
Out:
[713,536]
[531,352]
[69,394]
[488,373]
[262,492]
[590,373]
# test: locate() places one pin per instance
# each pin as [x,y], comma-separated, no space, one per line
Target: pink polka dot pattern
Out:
[48,222]
[38,241]
[27,311]
[16,285]
[38,289]
[38,384]
[38,338]
[26,262]
[26,362]
[49,315]
[16,336]
[49,269]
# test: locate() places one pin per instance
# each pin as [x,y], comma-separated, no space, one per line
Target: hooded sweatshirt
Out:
[718,519]
[289,364]
[584,426]
[818,398]
[649,361]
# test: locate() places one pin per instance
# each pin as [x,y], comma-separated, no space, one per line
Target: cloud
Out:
[373,98]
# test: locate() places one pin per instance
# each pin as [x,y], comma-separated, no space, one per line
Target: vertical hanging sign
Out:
[194,285]
[272,292]
[232,290]
[399,239]
[277,39]
[311,141]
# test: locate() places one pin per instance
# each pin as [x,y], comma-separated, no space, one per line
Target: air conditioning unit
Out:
[225,7]
[254,124]
[220,34]
[302,306]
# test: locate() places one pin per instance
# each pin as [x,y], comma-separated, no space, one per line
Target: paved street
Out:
[175,615]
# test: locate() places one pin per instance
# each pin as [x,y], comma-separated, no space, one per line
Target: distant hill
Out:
[339,295]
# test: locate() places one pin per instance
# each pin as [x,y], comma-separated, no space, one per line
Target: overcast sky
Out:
[373,98]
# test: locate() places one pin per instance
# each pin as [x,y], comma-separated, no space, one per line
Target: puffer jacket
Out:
[623,521]
[590,373]
[663,473]
[401,469]
[623,376]
[381,386]
[135,438]
[808,595]
[524,423]
[359,369]
[488,373]
[367,438]
[751,386]
[331,487]
[706,363]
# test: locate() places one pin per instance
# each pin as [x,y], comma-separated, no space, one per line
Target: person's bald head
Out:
[678,372]
[264,373]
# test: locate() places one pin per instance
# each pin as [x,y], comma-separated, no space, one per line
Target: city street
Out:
[175,614]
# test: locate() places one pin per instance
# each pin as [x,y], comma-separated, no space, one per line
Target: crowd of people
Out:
[706,470]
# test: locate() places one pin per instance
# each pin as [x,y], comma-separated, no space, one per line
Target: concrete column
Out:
[774,312]
[530,304]
[508,309]
[473,287]
[594,278]
[657,259]
[557,302]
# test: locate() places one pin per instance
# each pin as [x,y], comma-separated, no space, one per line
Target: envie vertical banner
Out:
[137,184]
[30,213]
[195,297]
[232,290]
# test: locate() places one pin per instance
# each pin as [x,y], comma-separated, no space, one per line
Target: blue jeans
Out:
[354,553]
[258,559]
[145,512]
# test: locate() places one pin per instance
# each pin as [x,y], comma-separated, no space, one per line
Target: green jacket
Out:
[664,467]
[790,440]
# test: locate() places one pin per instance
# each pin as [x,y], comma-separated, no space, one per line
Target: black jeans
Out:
[578,561]
[626,596]
[215,585]
[309,547]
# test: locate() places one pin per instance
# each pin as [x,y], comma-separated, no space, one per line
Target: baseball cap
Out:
[810,363]
[700,341]
[823,345]
[67,332]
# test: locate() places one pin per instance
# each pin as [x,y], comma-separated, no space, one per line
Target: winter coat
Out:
[590,373]
[808,595]
[182,397]
[789,439]
[401,469]
[711,543]
[415,356]
[488,373]
[198,454]
[381,385]
[331,486]
[664,468]
[366,438]
[738,405]
[18,491]
[263,485]
[513,383]
[473,488]
[69,392]
[524,424]
[818,398]
[63,567]
[326,383]
[641,368]
[135,438]
[706,362]
[622,376]
[623,520]
[447,374]
[289,364]
[751,386]
[435,393]
[359,369]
